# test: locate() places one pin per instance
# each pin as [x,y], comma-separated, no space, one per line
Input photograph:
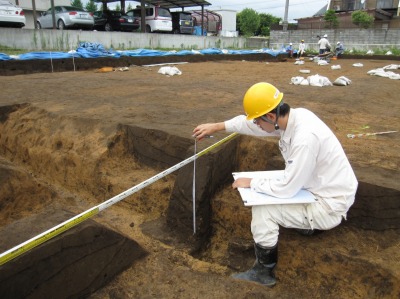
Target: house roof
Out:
[167,3]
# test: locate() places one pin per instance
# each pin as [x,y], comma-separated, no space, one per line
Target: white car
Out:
[11,15]
[66,17]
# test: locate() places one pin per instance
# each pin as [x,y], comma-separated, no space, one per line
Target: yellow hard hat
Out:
[260,99]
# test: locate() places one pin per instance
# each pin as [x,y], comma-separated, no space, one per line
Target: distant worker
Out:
[324,45]
[302,49]
[289,50]
[339,49]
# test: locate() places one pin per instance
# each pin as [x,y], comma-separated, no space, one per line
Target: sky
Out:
[297,8]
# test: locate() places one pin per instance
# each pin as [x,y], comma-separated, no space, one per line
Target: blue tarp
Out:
[95,50]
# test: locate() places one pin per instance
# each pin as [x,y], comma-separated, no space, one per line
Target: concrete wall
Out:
[357,39]
[65,40]
[47,39]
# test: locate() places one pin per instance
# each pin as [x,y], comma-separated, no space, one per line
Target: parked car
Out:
[114,21]
[11,15]
[158,19]
[66,17]
[182,22]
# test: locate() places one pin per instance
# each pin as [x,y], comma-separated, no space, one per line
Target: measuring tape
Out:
[368,134]
[66,225]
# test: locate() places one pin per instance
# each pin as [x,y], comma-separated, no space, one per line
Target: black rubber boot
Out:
[305,232]
[308,232]
[262,271]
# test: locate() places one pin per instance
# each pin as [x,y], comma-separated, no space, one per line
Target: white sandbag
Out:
[375,71]
[169,70]
[336,67]
[319,81]
[392,67]
[296,80]
[370,52]
[342,81]
[325,81]
[305,82]
[394,76]
[358,65]
[389,53]
[391,75]
[339,82]
[323,62]
[123,69]
[378,72]
[305,71]
[299,62]
[381,72]
[348,81]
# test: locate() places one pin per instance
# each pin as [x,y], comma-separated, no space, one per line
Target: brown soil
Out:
[63,145]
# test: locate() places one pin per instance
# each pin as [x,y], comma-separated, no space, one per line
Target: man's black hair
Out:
[283,109]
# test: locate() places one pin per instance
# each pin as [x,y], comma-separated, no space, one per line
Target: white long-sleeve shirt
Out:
[314,160]
[323,43]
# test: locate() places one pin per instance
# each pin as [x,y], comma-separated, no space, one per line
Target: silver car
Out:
[11,15]
[66,17]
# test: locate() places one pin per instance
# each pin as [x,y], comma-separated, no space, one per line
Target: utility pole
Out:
[143,15]
[34,14]
[53,14]
[285,18]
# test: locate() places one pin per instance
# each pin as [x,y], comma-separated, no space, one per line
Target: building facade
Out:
[385,14]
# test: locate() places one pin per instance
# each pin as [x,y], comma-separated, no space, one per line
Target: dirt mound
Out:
[73,140]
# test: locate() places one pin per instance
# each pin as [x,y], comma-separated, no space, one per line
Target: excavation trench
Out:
[53,167]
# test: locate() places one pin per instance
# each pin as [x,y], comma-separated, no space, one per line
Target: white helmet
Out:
[290,44]
[325,35]
[338,43]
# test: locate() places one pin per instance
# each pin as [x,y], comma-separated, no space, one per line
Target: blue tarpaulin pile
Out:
[95,50]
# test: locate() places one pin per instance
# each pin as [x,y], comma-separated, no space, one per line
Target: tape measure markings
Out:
[55,231]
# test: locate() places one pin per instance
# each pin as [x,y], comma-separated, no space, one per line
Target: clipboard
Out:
[252,198]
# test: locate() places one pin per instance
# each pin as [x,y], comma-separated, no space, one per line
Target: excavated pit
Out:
[65,150]
[52,164]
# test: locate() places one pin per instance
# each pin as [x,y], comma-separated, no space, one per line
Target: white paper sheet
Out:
[252,198]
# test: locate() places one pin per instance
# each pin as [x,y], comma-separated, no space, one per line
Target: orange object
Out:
[105,69]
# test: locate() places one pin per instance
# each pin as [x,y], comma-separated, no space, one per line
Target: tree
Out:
[129,7]
[91,6]
[362,19]
[266,20]
[117,7]
[77,3]
[249,21]
[331,18]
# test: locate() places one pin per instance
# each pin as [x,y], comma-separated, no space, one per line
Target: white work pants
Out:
[267,218]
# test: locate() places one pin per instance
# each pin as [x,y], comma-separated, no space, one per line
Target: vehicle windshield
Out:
[162,12]
[72,8]
[115,13]
[185,16]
